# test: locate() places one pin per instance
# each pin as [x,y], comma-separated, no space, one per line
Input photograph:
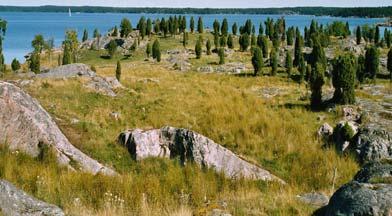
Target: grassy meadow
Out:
[277,133]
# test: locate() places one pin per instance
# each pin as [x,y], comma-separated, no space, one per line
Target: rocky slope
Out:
[26,126]
[189,146]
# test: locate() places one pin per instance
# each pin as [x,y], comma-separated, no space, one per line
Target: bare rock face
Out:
[68,71]
[170,142]
[26,126]
[17,203]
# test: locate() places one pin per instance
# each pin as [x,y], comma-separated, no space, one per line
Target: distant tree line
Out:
[317,11]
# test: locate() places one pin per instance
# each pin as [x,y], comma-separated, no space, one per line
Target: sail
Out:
[69,12]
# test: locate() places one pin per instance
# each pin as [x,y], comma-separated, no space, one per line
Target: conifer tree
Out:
[125,27]
[118,71]
[244,42]
[3,29]
[264,46]
[67,59]
[389,63]
[230,42]
[15,65]
[257,60]
[115,32]
[316,85]
[149,27]
[289,64]
[112,48]
[223,41]
[185,39]
[96,33]
[318,54]
[298,50]
[38,43]
[273,62]
[372,62]
[261,29]
[377,35]
[253,40]
[192,25]
[221,54]
[225,27]
[234,29]
[216,41]
[361,71]
[359,35]
[343,79]
[301,69]
[156,51]
[85,35]
[208,47]
[216,26]
[198,49]
[200,26]
[148,50]
[35,62]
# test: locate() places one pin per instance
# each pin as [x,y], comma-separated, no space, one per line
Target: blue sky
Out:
[202,3]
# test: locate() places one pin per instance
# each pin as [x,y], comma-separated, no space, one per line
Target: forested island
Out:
[317,11]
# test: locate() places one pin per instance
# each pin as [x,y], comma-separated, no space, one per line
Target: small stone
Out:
[115,115]
[75,121]
[315,199]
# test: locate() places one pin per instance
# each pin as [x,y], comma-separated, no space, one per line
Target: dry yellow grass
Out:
[276,133]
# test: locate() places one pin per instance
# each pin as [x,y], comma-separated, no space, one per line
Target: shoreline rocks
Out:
[18,203]
[26,126]
[189,146]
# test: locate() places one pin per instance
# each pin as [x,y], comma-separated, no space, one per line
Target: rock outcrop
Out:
[17,203]
[370,193]
[374,172]
[189,146]
[372,144]
[68,71]
[104,85]
[26,126]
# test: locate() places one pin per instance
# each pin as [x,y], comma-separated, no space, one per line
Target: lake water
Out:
[23,26]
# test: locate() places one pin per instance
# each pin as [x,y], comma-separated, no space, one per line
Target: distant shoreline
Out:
[370,12]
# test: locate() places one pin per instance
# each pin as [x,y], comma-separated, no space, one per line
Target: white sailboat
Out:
[69,12]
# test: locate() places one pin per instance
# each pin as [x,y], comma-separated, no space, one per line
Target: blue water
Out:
[23,26]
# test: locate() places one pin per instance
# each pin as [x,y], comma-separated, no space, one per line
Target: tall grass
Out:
[277,133]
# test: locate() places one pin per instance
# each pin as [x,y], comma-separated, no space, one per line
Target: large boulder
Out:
[68,71]
[372,143]
[370,193]
[15,202]
[26,126]
[189,146]
[357,198]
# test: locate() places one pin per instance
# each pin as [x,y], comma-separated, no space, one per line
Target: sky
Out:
[202,3]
